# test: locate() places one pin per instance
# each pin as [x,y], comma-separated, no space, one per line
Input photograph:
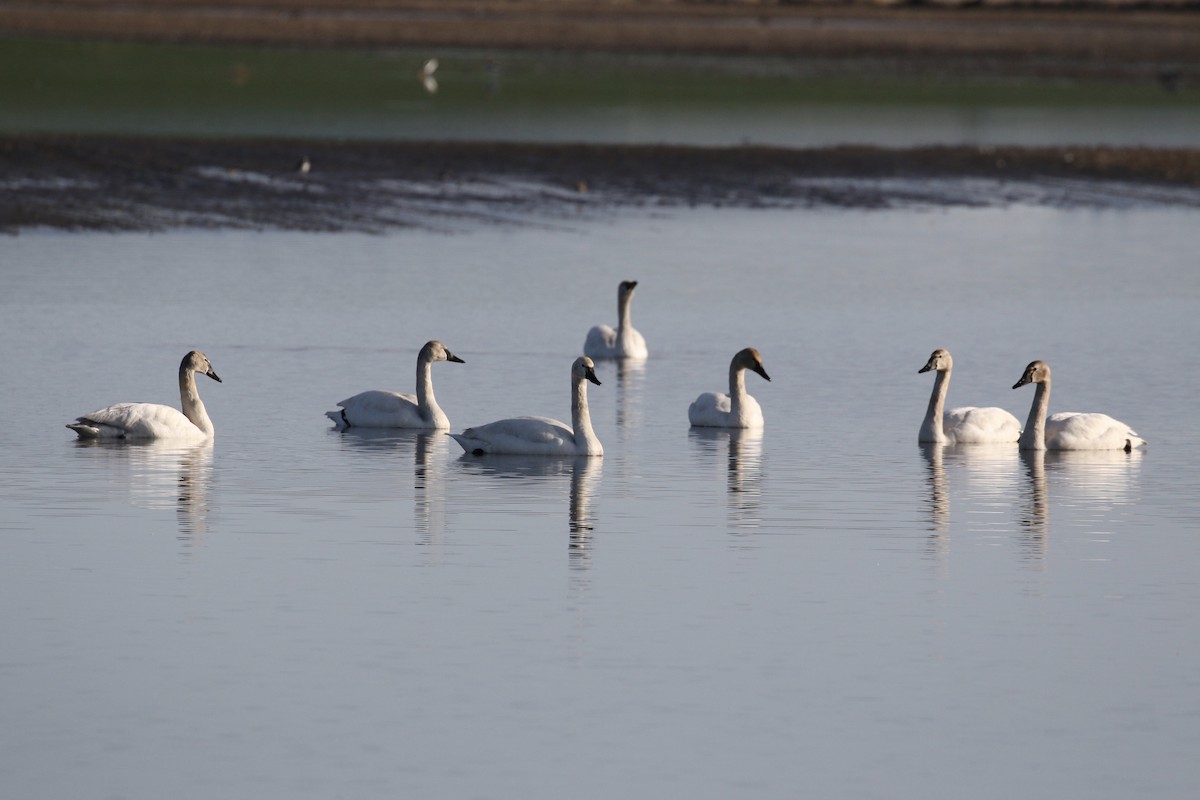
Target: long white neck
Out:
[931,428]
[426,402]
[624,302]
[581,420]
[189,399]
[737,390]
[1034,435]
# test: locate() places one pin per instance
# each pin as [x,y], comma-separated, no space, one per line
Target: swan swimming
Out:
[736,409]
[540,436]
[379,408]
[966,424]
[152,420]
[624,342]
[1069,430]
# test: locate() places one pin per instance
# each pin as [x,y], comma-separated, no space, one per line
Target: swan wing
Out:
[990,425]
[519,436]
[710,409]
[379,408]
[136,421]
[601,342]
[1070,430]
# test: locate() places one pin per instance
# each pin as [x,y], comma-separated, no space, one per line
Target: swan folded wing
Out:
[710,408]
[519,435]
[1071,430]
[601,341]
[136,421]
[971,424]
[379,408]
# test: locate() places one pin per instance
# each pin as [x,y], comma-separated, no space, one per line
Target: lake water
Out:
[825,608]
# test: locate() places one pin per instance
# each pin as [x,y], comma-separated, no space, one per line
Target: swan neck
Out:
[426,402]
[1034,435]
[931,430]
[623,312]
[737,388]
[189,401]
[581,419]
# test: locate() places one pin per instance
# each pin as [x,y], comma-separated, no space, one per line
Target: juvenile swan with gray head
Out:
[379,408]
[152,420]
[736,409]
[624,342]
[966,424]
[1069,430]
[541,436]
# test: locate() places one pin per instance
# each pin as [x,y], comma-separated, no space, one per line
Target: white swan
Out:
[736,409]
[966,424]
[151,420]
[379,408]
[625,342]
[1069,430]
[540,436]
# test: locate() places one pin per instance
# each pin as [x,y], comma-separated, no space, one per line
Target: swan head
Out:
[1036,372]
[751,360]
[436,351]
[584,369]
[196,361]
[940,361]
[626,289]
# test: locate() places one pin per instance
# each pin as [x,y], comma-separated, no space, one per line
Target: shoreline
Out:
[1085,39]
[101,183]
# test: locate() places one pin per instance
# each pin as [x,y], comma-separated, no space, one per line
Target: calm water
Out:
[825,608]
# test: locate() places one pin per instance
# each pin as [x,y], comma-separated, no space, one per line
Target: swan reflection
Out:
[429,496]
[631,379]
[980,480]
[743,450]
[584,476]
[161,474]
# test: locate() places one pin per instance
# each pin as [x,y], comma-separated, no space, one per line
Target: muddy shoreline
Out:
[101,183]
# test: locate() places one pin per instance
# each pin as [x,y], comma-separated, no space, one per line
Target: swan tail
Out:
[90,429]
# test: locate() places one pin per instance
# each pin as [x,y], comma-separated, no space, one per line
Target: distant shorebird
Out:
[304,166]
[425,74]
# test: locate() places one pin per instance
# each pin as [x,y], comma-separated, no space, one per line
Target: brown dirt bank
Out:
[104,183]
[1095,38]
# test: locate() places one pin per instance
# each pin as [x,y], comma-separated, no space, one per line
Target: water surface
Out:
[296,612]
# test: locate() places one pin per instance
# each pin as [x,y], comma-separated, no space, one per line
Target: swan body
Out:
[736,409]
[153,420]
[966,424]
[379,408]
[624,342]
[541,436]
[1069,430]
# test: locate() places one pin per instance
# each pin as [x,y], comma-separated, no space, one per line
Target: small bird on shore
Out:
[304,166]
[425,73]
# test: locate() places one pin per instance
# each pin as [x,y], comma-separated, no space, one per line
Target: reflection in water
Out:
[1034,515]
[744,470]
[631,379]
[584,473]
[986,478]
[161,475]
[429,506]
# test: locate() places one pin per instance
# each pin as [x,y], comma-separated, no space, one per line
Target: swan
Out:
[736,409]
[625,342]
[539,436]
[152,420]
[1069,430]
[379,408]
[967,424]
